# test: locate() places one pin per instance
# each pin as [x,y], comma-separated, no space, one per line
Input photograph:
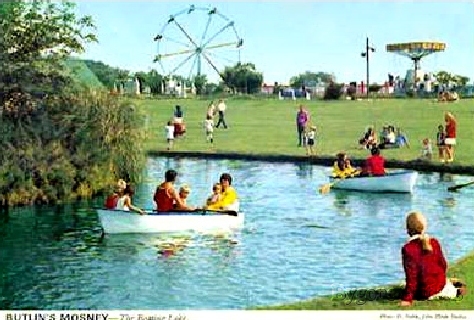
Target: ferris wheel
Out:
[197,41]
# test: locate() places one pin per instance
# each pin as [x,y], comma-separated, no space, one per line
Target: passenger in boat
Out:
[216,194]
[111,201]
[229,199]
[124,202]
[183,194]
[374,164]
[165,195]
[343,168]
[424,264]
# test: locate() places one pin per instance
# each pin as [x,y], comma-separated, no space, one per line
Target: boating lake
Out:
[297,243]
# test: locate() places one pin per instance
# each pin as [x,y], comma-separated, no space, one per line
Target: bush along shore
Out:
[60,139]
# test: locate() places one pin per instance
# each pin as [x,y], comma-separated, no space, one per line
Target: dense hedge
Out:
[59,137]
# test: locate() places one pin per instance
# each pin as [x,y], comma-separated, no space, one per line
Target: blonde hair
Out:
[448,116]
[121,184]
[185,189]
[416,225]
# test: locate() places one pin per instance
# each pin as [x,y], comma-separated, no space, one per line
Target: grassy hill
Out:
[83,74]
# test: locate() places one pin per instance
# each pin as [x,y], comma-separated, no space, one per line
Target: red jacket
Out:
[451,129]
[375,165]
[425,271]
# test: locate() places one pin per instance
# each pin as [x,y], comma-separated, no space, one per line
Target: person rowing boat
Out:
[166,198]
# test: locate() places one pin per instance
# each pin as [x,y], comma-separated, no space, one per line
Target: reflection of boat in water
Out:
[402,181]
[116,221]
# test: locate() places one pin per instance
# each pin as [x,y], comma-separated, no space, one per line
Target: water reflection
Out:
[341,202]
[294,237]
[304,170]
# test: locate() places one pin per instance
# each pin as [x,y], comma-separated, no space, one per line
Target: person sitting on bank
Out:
[374,164]
[369,140]
[390,139]
[124,202]
[342,167]
[183,194]
[165,196]
[229,199]
[426,150]
[401,139]
[424,264]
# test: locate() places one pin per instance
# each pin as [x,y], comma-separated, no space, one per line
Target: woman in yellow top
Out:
[342,167]
[229,199]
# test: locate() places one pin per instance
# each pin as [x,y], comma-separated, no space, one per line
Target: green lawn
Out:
[268,126]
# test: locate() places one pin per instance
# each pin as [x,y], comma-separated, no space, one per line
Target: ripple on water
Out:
[296,244]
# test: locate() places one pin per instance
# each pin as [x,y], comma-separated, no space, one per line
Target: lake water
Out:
[296,244]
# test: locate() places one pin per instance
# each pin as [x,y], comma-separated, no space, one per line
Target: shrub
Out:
[333,91]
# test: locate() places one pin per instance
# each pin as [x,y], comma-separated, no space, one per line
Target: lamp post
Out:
[366,56]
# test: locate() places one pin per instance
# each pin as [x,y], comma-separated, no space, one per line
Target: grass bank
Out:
[387,298]
[267,127]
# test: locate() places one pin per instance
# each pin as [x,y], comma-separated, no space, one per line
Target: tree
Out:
[243,78]
[58,136]
[310,79]
[106,74]
[445,78]
[200,83]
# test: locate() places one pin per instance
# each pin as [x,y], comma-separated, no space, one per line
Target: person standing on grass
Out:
[310,136]
[450,137]
[440,136]
[221,110]
[209,127]
[169,129]
[302,118]
[211,110]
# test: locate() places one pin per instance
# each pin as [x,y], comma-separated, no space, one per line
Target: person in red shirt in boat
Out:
[166,198]
[424,264]
[374,164]
[112,200]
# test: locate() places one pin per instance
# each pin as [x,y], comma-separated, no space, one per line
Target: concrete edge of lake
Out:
[323,160]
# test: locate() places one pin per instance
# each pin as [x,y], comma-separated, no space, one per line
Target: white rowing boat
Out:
[117,221]
[402,181]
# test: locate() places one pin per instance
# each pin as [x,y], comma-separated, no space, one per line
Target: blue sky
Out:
[284,39]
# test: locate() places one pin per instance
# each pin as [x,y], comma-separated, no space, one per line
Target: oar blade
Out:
[325,188]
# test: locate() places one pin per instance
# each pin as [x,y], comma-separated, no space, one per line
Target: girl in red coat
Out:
[424,264]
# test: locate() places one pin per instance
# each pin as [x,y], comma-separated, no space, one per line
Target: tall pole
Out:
[368,50]
[367,65]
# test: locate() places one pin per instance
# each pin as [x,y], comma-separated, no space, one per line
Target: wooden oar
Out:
[460,186]
[325,188]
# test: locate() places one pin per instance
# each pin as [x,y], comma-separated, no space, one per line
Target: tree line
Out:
[59,138]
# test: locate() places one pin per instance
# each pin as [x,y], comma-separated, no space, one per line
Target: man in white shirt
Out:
[221,110]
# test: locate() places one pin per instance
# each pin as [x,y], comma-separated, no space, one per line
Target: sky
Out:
[282,39]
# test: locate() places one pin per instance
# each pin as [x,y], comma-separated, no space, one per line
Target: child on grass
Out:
[310,137]
[209,127]
[426,149]
[169,129]
[440,136]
